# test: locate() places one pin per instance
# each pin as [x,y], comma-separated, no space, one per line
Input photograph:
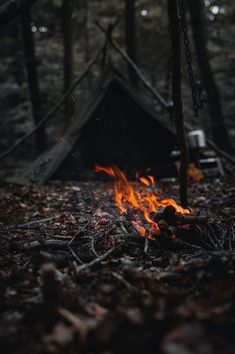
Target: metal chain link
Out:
[188,56]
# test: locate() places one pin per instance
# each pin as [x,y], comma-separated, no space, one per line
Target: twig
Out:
[61,237]
[209,234]
[77,234]
[22,226]
[38,245]
[78,259]
[93,247]
[123,228]
[84,227]
[146,241]
[123,281]
[192,246]
[97,260]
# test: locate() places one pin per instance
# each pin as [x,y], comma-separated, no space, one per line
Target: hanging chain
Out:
[188,56]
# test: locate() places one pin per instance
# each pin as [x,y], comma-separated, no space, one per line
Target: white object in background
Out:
[197,139]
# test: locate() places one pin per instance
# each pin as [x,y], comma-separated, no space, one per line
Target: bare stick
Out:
[98,260]
[78,233]
[39,245]
[78,259]
[129,286]
[146,241]
[93,247]
[26,225]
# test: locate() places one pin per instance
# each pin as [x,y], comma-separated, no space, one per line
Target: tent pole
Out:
[177,99]
[125,56]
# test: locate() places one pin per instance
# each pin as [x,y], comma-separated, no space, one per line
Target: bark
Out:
[33,83]
[177,100]
[130,36]
[12,9]
[214,102]
[68,54]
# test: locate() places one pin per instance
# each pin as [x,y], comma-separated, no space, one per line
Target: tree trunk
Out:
[29,50]
[68,54]
[130,35]
[87,40]
[177,100]
[214,102]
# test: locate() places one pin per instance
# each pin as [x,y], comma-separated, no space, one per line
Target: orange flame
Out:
[144,199]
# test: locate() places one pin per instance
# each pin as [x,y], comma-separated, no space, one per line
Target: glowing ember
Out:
[142,197]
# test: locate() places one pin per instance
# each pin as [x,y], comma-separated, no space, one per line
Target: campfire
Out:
[144,204]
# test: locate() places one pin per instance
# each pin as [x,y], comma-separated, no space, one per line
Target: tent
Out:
[116,125]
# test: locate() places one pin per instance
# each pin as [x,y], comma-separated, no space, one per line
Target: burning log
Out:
[151,215]
[171,217]
[136,200]
[166,229]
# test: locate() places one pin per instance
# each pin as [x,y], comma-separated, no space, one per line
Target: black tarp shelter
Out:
[116,125]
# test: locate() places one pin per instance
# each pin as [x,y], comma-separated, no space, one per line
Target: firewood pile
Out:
[79,274]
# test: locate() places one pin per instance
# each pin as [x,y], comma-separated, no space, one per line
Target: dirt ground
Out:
[73,279]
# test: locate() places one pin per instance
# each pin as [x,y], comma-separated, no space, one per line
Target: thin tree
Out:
[177,98]
[87,39]
[67,31]
[130,37]
[33,83]
[214,101]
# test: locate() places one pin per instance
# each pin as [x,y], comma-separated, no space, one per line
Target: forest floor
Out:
[73,281]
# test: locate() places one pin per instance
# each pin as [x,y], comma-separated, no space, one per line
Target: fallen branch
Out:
[96,261]
[40,245]
[27,225]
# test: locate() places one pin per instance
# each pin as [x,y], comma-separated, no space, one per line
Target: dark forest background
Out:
[65,37]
